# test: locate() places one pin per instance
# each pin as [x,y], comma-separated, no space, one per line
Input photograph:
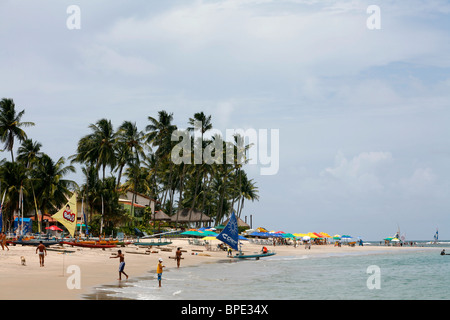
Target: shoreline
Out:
[93,268]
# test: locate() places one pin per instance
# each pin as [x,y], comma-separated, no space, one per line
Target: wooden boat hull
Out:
[88,245]
[33,242]
[152,243]
[253,256]
[101,242]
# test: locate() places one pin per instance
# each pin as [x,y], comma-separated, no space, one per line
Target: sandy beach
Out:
[56,280]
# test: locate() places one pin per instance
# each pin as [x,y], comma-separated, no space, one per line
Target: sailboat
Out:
[154,243]
[230,236]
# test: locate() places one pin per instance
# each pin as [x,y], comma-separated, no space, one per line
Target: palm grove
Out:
[114,161]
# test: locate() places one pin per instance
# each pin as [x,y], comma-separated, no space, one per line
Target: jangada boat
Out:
[152,243]
[88,245]
[230,236]
[34,242]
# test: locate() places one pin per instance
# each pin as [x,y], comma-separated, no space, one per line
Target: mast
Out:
[21,208]
[101,224]
[82,210]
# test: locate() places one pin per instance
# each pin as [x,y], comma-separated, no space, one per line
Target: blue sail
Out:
[229,234]
[436,236]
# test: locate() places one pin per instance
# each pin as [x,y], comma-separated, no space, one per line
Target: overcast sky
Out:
[363,114]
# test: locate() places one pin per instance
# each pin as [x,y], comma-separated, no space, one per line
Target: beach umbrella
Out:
[306,238]
[395,240]
[54,228]
[209,238]
[194,233]
[325,235]
[288,235]
[299,235]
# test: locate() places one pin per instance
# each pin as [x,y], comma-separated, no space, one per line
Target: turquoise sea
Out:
[419,274]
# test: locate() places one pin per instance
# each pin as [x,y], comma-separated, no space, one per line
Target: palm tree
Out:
[248,190]
[10,125]
[51,189]
[158,135]
[98,147]
[13,179]
[130,146]
[159,132]
[28,152]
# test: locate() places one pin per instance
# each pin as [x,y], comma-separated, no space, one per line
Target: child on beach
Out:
[159,270]
[122,264]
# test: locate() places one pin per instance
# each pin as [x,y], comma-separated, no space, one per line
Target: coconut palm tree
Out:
[50,186]
[98,147]
[248,190]
[28,152]
[11,125]
[130,147]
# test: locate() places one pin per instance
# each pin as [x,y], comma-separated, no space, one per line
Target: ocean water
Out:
[421,274]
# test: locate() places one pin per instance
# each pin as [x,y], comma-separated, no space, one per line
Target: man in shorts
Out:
[178,256]
[42,250]
[121,264]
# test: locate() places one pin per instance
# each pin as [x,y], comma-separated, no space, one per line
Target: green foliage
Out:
[137,161]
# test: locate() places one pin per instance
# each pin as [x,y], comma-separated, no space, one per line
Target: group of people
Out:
[159,266]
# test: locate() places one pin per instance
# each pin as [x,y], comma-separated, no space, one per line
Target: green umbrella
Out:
[288,235]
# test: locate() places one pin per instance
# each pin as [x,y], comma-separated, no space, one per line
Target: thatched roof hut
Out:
[160,215]
[190,215]
[240,222]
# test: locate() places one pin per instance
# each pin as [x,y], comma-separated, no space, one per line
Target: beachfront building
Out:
[135,203]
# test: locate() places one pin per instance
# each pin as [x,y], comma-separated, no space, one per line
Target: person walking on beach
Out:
[178,256]
[121,264]
[42,250]
[3,241]
[159,270]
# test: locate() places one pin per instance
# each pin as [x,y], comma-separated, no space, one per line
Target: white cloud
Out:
[107,60]
[359,173]
[420,183]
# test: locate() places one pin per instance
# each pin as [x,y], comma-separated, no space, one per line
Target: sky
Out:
[359,98]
